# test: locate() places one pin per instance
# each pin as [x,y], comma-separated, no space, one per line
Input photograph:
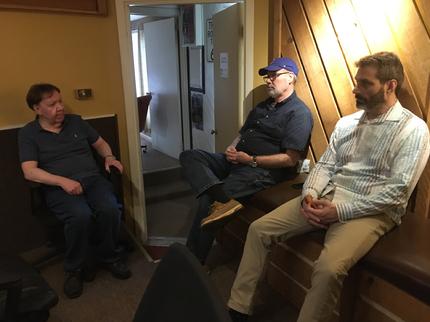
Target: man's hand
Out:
[306,211]
[236,157]
[230,154]
[111,161]
[72,187]
[319,212]
[325,210]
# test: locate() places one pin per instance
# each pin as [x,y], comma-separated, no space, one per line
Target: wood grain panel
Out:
[350,37]
[413,41]
[423,7]
[422,206]
[380,38]
[393,299]
[327,37]
[275,25]
[291,264]
[312,64]
[332,57]
[291,291]
[319,139]
[367,311]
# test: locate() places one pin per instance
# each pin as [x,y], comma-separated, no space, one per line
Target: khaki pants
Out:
[344,245]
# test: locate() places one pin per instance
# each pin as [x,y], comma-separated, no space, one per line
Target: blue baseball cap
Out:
[280,63]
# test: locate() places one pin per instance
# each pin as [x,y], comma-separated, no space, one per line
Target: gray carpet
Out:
[154,160]
[107,299]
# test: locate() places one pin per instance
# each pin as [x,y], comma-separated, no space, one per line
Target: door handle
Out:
[214,132]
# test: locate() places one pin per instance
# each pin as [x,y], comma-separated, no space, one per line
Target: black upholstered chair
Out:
[24,295]
[180,290]
[52,225]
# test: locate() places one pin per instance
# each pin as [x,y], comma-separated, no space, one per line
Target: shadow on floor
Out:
[107,299]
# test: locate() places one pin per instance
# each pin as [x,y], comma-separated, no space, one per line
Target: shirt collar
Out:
[39,128]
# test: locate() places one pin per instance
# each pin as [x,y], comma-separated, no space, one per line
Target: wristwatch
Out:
[254,162]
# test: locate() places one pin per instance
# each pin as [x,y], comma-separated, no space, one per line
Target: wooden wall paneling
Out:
[380,38]
[312,64]
[347,28]
[366,310]
[332,57]
[318,139]
[422,206]
[406,307]
[275,25]
[414,44]
[423,7]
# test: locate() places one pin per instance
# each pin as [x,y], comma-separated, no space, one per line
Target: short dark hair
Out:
[37,92]
[388,65]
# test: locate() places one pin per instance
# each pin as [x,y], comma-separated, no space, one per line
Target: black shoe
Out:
[73,284]
[89,272]
[118,269]
[237,316]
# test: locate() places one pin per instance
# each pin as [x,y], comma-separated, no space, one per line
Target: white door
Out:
[228,68]
[163,82]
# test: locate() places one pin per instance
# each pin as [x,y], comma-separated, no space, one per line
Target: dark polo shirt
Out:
[274,128]
[67,153]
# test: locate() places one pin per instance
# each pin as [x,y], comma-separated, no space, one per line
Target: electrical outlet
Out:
[83,93]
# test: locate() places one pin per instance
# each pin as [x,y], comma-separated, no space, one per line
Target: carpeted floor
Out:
[107,299]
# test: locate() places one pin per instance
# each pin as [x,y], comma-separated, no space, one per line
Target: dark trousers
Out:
[91,221]
[204,170]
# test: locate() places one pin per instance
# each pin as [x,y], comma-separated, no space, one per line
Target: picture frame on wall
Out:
[188,25]
[209,41]
[196,110]
[196,68]
[90,7]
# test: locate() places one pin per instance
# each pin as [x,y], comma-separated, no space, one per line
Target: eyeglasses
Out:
[272,77]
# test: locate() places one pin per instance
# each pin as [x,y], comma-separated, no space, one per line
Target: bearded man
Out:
[270,144]
[357,192]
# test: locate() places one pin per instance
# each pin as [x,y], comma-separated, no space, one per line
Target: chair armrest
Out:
[115,177]
[37,199]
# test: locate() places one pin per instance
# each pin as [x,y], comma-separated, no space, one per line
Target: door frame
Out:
[131,115]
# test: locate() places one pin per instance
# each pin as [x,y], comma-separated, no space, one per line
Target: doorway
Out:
[123,11]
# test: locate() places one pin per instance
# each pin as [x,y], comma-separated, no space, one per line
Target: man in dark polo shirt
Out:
[55,150]
[270,144]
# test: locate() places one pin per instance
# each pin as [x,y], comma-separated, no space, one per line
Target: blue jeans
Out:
[204,170]
[91,221]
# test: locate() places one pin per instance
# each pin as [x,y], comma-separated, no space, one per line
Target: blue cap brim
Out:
[270,68]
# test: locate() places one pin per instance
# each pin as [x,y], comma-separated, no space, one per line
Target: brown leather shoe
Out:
[219,214]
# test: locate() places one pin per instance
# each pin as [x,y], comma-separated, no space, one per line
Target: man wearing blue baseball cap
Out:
[356,192]
[267,150]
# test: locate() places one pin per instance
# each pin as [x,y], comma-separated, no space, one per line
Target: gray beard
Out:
[272,92]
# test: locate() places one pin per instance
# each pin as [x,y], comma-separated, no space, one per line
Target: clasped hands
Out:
[236,157]
[319,212]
